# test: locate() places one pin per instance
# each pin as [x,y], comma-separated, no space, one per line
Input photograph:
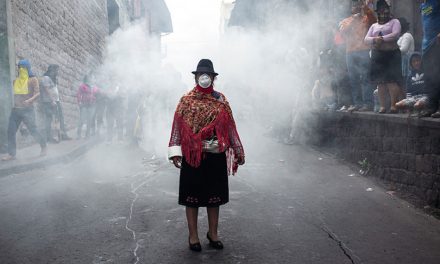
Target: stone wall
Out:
[3,17]
[70,33]
[401,150]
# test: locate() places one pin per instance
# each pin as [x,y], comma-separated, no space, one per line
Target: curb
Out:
[66,158]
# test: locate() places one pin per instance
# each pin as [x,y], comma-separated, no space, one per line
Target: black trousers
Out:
[49,111]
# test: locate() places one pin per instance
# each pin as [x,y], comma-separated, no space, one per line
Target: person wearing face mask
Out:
[206,147]
[386,58]
[26,90]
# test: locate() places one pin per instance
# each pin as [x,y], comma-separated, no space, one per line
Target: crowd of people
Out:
[97,104]
[381,69]
[37,106]
[370,64]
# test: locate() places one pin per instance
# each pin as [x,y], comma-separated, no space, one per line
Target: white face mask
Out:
[205,81]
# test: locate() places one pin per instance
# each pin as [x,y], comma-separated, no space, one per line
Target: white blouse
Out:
[406,44]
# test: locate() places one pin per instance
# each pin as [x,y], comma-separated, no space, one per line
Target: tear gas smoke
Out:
[265,72]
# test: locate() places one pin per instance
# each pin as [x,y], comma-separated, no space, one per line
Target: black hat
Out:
[382,4]
[205,66]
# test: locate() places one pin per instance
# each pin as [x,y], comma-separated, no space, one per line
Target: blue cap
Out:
[26,64]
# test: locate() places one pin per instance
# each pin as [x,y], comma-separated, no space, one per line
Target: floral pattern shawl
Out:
[201,116]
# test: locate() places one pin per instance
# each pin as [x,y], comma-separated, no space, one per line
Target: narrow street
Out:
[288,204]
[80,80]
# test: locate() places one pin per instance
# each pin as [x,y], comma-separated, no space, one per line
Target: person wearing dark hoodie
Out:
[48,98]
[416,92]
[26,90]
[51,102]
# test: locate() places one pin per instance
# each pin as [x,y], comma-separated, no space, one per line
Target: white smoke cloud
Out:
[266,74]
[133,63]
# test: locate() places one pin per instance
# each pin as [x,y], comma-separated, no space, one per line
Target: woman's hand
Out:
[240,160]
[177,161]
[377,41]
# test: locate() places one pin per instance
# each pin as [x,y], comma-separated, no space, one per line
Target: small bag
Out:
[210,146]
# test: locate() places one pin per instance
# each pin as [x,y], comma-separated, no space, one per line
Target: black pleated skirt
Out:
[386,66]
[207,185]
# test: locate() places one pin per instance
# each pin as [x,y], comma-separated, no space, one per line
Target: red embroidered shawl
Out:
[200,116]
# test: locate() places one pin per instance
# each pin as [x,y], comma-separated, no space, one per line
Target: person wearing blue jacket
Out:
[430,10]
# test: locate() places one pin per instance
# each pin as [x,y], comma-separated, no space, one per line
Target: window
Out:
[113,16]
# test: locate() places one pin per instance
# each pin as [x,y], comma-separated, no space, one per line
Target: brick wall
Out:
[70,33]
[401,150]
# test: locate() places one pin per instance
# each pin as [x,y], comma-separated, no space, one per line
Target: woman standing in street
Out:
[386,58]
[205,146]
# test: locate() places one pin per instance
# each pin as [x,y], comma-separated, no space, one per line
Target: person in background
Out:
[26,90]
[386,58]
[115,113]
[430,10]
[48,103]
[406,45]
[341,81]
[354,29]
[50,98]
[133,115]
[416,94]
[52,72]
[86,98]
[97,119]
[101,106]
[323,94]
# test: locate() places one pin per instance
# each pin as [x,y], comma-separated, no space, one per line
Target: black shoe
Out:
[214,244]
[195,247]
